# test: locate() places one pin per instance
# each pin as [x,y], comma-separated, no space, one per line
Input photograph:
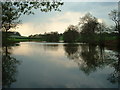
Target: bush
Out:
[71,34]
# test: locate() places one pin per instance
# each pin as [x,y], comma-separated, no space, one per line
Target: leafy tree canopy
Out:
[88,23]
[13,10]
[71,34]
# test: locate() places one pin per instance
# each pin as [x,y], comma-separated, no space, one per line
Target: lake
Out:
[59,65]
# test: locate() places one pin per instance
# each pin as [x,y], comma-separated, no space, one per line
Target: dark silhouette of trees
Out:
[115,76]
[51,37]
[13,10]
[101,29]
[88,25]
[90,57]
[9,67]
[71,34]
[115,17]
[52,47]
[71,50]
[48,37]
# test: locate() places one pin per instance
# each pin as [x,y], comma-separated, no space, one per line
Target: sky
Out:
[70,14]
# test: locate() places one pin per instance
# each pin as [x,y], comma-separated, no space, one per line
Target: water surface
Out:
[59,65]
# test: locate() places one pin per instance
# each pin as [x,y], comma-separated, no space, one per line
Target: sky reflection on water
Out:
[46,65]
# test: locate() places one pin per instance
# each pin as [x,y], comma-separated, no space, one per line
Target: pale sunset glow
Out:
[100,20]
[60,44]
[70,14]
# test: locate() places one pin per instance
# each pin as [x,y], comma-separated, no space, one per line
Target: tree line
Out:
[13,10]
[88,30]
[48,37]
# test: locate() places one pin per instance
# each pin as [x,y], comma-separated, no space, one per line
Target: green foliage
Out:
[71,34]
[98,38]
[51,37]
[13,10]
[88,24]
[89,27]
[48,37]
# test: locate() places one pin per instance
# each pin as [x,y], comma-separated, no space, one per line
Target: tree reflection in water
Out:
[9,66]
[71,50]
[90,57]
[115,76]
[50,47]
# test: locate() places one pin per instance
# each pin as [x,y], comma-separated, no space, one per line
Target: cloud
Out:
[59,23]
[100,20]
[70,14]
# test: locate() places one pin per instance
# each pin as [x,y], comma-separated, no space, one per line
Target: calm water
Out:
[59,65]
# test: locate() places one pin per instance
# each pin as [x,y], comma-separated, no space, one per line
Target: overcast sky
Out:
[58,21]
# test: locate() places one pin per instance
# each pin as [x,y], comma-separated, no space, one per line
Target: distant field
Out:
[23,39]
[80,39]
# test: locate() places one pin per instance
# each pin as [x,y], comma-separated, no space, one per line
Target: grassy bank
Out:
[23,39]
[107,40]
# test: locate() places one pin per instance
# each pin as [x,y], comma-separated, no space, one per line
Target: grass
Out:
[22,39]
[111,38]
[80,39]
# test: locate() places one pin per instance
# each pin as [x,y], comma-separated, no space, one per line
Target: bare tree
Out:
[114,16]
